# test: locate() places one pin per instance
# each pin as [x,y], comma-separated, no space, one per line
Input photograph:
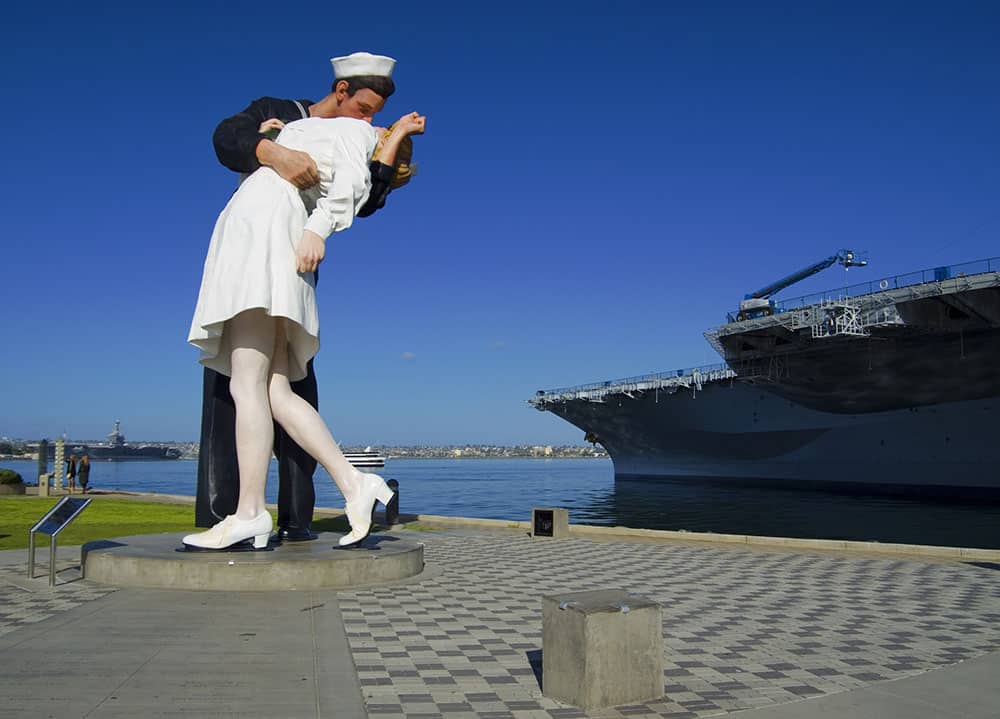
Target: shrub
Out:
[9,476]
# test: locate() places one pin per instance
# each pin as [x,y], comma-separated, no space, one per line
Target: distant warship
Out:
[893,384]
[116,448]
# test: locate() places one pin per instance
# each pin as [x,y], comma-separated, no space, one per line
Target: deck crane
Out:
[759,304]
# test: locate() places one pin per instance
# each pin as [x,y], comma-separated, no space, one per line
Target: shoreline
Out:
[610,533]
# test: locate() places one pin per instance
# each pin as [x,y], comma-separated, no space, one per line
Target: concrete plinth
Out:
[153,561]
[601,648]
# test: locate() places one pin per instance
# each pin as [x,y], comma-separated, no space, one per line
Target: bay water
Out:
[509,488]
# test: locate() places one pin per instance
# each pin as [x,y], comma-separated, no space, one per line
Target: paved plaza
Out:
[768,632]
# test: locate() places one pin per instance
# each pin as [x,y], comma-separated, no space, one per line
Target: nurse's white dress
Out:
[251,259]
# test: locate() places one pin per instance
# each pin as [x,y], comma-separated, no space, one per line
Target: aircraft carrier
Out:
[116,448]
[891,384]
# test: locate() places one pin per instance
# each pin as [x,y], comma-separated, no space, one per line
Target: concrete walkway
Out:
[147,653]
[750,632]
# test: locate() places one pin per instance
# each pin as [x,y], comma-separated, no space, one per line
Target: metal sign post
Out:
[54,521]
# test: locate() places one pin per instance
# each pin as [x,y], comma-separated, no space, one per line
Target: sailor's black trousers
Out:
[218,488]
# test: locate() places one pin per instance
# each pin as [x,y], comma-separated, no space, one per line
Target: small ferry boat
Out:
[366,458]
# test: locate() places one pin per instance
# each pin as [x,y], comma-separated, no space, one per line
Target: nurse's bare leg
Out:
[251,336]
[361,490]
[252,339]
[304,424]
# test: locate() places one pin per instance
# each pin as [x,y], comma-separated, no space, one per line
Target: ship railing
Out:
[597,391]
[895,282]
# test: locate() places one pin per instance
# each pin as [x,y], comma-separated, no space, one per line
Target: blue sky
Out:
[599,184]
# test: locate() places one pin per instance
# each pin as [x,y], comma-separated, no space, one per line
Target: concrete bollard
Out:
[601,648]
[550,522]
[43,485]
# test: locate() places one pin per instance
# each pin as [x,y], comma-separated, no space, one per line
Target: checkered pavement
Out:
[26,601]
[743,628]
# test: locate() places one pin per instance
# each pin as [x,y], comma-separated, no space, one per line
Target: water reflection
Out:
[707,507]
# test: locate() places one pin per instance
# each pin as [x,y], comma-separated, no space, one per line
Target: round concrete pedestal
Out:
[157,561]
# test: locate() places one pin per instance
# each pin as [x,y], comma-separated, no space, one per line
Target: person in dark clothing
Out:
[242,147]
[71,473]
[84,472]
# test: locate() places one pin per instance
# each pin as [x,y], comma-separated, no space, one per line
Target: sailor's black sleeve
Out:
[382,176]
[236,138]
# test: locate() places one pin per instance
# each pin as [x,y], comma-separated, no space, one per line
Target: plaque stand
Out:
[55,520]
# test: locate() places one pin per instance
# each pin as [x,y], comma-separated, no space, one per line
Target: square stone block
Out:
[550,522]
[601,648]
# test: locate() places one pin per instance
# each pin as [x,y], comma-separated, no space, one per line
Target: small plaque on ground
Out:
[550,522]
[543,523]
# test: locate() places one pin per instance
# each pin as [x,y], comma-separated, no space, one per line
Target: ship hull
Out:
[734,431]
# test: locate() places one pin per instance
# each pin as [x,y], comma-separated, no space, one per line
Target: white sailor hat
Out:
[362,63]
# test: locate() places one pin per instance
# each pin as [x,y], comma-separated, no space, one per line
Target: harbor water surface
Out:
[509,488]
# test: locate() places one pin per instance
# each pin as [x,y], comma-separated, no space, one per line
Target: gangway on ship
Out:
[839,317]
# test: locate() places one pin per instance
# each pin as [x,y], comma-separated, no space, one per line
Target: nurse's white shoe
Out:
[359,512]
[233,530]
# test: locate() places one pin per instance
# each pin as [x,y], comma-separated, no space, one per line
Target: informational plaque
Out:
[544,522]
[55,520]
[550,522]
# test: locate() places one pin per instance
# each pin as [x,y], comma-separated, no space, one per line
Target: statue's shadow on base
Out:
[239,547]
[371,544]
[101,544]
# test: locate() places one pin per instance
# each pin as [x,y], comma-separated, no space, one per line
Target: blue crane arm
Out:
[844,257]
[792,278]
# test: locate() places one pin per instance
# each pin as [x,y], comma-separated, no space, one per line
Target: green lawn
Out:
[105,518]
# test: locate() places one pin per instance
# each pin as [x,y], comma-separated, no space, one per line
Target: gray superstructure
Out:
[892,383]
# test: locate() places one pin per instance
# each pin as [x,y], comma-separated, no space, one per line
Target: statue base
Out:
[159,561]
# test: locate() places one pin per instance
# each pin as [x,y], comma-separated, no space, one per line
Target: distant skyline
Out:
[599,184]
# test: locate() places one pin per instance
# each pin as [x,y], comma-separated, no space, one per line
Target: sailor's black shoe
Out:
[293,534]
